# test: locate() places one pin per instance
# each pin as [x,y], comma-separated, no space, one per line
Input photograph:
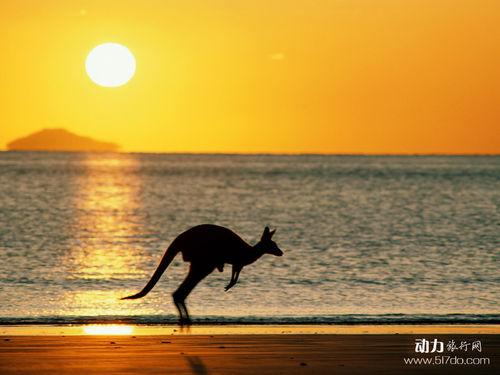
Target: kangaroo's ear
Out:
[271,233]
[265,234]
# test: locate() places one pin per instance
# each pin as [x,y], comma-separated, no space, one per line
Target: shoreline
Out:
[246,329]
[299,320]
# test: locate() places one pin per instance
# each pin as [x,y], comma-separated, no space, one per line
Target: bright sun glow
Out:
[108,330]
[110,65]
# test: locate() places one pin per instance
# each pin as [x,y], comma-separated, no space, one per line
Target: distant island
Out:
[59,140]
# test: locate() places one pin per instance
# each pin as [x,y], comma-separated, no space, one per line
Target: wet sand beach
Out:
[234,354]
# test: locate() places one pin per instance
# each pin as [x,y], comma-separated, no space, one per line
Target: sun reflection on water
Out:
[108,329]
[109,245]
[98,303]
[107,201]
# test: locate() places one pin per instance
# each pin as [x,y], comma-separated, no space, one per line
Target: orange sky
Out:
[337,76]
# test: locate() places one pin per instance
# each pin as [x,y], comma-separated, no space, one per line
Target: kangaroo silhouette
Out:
[208,247]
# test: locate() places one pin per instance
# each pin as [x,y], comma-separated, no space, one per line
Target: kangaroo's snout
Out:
[276,251]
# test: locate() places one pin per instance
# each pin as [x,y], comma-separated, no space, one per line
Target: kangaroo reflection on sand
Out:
[207,247]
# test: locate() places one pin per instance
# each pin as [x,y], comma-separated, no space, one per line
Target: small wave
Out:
[350,319]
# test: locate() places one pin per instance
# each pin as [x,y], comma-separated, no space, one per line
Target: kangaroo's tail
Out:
[164,263]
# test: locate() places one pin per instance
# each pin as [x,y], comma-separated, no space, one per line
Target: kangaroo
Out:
[208,247]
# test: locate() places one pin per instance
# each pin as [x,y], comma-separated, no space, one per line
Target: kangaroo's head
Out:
[267,245]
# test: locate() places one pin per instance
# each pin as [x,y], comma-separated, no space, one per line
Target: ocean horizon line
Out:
[251,153]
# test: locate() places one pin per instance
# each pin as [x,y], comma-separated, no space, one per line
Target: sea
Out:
[366,239]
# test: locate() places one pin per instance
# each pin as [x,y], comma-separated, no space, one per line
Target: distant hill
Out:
[59,140]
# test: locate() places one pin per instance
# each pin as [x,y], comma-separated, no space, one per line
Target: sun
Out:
[110,65]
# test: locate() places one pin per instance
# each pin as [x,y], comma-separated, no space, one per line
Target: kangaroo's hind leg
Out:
[196,273]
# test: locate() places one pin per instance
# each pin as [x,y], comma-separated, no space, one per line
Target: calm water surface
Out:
[368,235]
